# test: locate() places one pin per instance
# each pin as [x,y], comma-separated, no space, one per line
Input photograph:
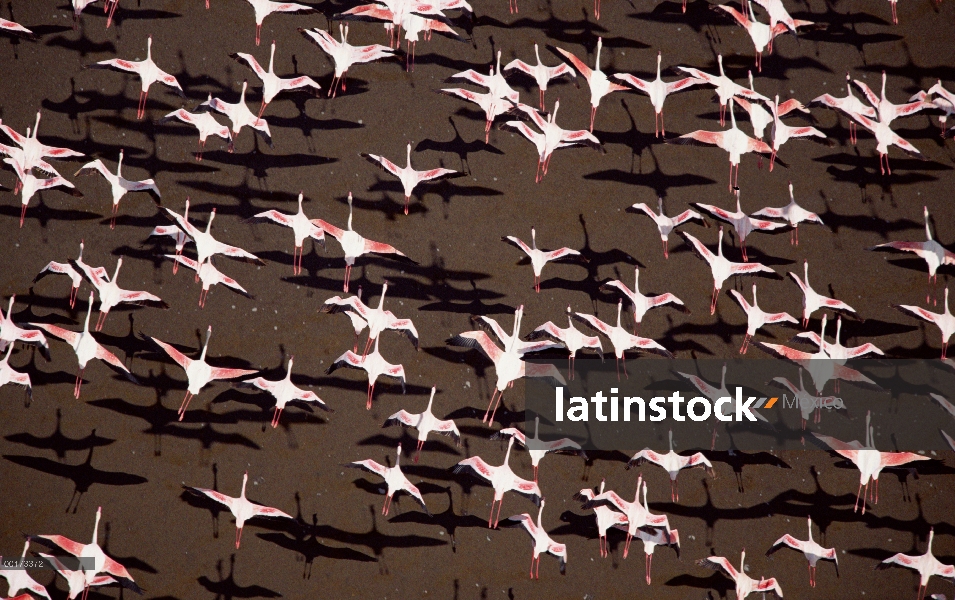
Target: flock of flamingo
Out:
[27,155]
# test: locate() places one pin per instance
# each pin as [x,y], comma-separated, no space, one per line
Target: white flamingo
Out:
[543,544]
[30,185]
[812,300]
[178,235]
[945,321]
[726,88]
[264,8]
[805,400]
[539,257]
[926,564]
[606,516]
[10,332]
[782,133]
[813,551]
[204,122]
[272,84]
[742,223]
[302,228]
[638,515]
[652,539]
[551,137]
[206,245]
[9,375]
[641,304]
[792,213]
[374,365]
[148,73]
[541,73]
[667,224]
[621,339]
[394,479]
[284,391]
[209,275]
[425,422]
[18,580]
[118,184]
[492,105]
[502,479]
[885,137]
[597,80]
[110,294]
[888,111]
[571,338]
[850,106]
[376,319]
[673,463]
[33,151]
[57,268]
[409,177]
[344,54]
[836,351]
[757,317]
[240,116]
[538,448]
[76,581]
[658,90]
[745,585]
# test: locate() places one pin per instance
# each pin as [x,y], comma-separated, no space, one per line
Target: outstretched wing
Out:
[719,562]
[576,62]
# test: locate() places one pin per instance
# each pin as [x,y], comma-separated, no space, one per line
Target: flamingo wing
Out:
[333,231]
[380,248]
[94,166]
[579,136]
[948,406]
[544,371]
[918,311]
[837,304]
[262,383]
[785,351]
[685,216]
[766,225]
[141,296]
[645,455]
[370,466]
[434,174]
[413,491]
[741,19]
[478,340]
[236,252]
[790,105]
[108,357]
[271,215]
[901,560]
[906,146]
[609,498]
[682,84]
[559,254]
[520,66]
[322,38]
[701,250]
[634,82]
[864,349]
[741,300]
[846,450]
[895,459]
[719,562]
[515,241]
[70,337]
[869,94]
[576,62]
[780,317]
[221,373]
[472,76]
[594,322]
[518,435]
[290,7]
[251,62]
[448,428]
[476,466]
[705,388]
[184,260]
[525,130]
[117,64]
[402,417]
[74,548]
[525,521]
[309,396]
[351,303]
[349,359]
[384,163]
[698,460]
[526,488]
[115,569]
[749,268]
[181,359]
[786,540]
[267,511]
[769,585]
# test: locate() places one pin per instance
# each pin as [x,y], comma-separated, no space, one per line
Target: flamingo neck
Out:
[931,536]
[99,514]
[659,60]
[149,48]
[288,375]
[719,59]
[350,211]
[600,43]
[9,310]
[928,231]
[553,115]
[810,529]
[245,84]
[209,224]
[805,272]
[792,198]
[499,62]
[671,440]
[660,206]
[540,511]
[619,311]
[733,115]
[946,303]
[839,330]
[636,279]
[381,299]
[742,561]
[300,202]
[431,399]
[119,165]
[533,238]
[883,86]
[719,244]
[26,546]
[86,325]
[36,128]
[507,455]
[205,347]
[119,263]
[272,57]
[398,458]
[537,422]
[754,295]
[9,352]
[245,480]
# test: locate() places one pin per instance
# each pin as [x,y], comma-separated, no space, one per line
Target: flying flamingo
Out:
[206,245]
[653,539]
[930,251]
[178,235]
[638,516]
[538,257]
[571,338]
[358,323]
[606,516]
[760,33]
[759,117]
[658,90]
[19,580]
[782,133]
[945,101]
[492,106]
[284,391]
[888,111]
[344,54]
[502,479]
[813,301]
[733,141]
[354,245]
[241,508]
[850,106]
[110,294]
[537,448]
[810,548]
[708,390]
[76,581]
[302,227]
[945,321]
[621,339]
[148,73]
[745,585]
[30,185]
[376,319]
[209,275]
[551,138]
[885,137]
[374,365]
[836,351]
[757,317]
[778,14]
[119,185]
[101,562]
[666,224]
[792,213]
[78,7]
[264,8]
[726,88]
[673,463]
[722,268]
[198,372]
[10,333]
[204,122]
[9,375]
[272,84]
[20,30]
[394,479]
[642,304]
[240,116]
[33,152]
[805,400]
[926,564]
[541,73]
[84,346]
[600,86]
[543,544]
[868,460]
[741,222]
[56,268]
[407,175]
[494,81]
[425,423]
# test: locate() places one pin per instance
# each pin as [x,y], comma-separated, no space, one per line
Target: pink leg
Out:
[276,417]
[109,20]
[371,393]
[489,406]
[185,405]
[745,345]
[73,291]
[649,558]
[532,566]
[368,344]
[490,518]
[418,453]
[493,412]
[626,547]
[23,213]
[407,200]
[347,276]
[79,383]
[593,113]
[542,106]
[258,33]
[666,249]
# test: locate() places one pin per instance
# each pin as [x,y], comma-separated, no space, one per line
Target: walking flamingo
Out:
[658,90]
[641,304]
[209,275]
[600,86]
[374,365]
[926,564]
[726,88]
[792,213]
[673,463]
[638,515]
[272,84]
[302,227]
[394,479]
[284,391]
[344,54]
[667,224]
[813,301]
[745,585]
[264,8]
[148,73]
[119,185]
[551,138]
[204,122]
[742,223]
[376,319]
[541,73]
[407,175]
[606,516]
[543,544]
[110,294]
[240,116]
[537,448]
[945,321]
[538,257]
[621,339]
[57,268]
[240,507]
[850,106]
[810,548]
[425,423]
[10,332]
[757,317]
[502,479]
[571,338]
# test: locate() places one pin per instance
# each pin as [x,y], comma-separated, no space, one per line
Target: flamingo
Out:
[642,304]
[673,463]
[722,268]
[850,106]
[745,585]
[760,33]
[741,222]
[539,257]
[551,138]
[600,86]
[374,365]
[240,116]
[78,7]
[836,351]
[148,73]
[358,323]
[707,389]
[494,81]
[376,319]
[926,564]
[204,122]
[782,133]
[110,294]
[543,544]
[492,106]
[354,245]
[726,88]
[944,101]
[653,539]
[284,391]
[638,515]
[176,234]
[84,346]
[344,54]
[109,6]
[621,339]
[33,151]
[885,137]
[658,90]
[666,224]
[76,581]
[209,276]
[759,117]
[57,268]
[20,30]
[302,227]
[813,301]
[272,84]
[778,14]
[792,213]
[930,251]
[199,373]
[30,185]
[407,175]
[810,548]
[119,185]
[805,400]
[10,333]
[868,460]
[425,423]
[9,375]
[206,245]
[101,562]
[757,317]
[541,73]
[240,507]
[264,8]
[502,479]
[394,479]
[733,141]
[537,448]
[606,516]
[945,321]
[571,338]
[18,580]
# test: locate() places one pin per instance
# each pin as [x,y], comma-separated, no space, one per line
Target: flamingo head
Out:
[754,294]
[533,236]
[399,449]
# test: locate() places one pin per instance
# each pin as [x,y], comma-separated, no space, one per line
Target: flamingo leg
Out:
[368,343]
[490,518]
[535,473]
[716,293]
[258,33]
[371,392]
[347,276]
[593,113]
[542,107]
[742,244]
[626,547]
[73,291]
[666,249]
[276,416]
[745,346]
[238,537]
[648,561]
[109,20]
[185,405]
[532,566]
[202,145]
[112,222]
[489,406]
[722,113]
[262,109]
[418,453]
[79,383]
[494,412]
[23,213]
